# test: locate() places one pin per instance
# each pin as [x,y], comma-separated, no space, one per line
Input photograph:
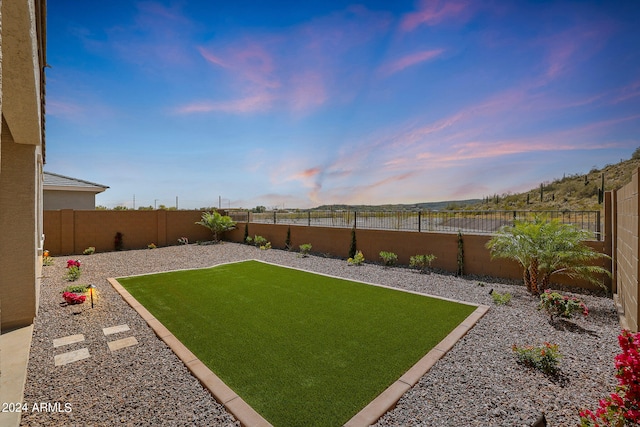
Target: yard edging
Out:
[248,416]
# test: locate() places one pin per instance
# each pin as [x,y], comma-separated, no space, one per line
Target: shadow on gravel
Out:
[565,325]
[559,378]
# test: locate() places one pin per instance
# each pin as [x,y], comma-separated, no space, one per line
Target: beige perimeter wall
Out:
[70,232]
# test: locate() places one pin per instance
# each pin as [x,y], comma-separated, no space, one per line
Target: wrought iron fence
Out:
[471,222]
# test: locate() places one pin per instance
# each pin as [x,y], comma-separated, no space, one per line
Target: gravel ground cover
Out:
[478,383]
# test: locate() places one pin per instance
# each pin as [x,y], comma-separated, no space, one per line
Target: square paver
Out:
[71,339]
[115,329]
[72,356]
[124,342]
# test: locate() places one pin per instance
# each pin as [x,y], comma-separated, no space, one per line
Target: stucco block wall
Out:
[70,232]
[336,242]
[627,253]
[78,200]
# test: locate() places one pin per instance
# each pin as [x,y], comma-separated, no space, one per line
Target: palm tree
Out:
[562,251]
[216,223]
[544,248]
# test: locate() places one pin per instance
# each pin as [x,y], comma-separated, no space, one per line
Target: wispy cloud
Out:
[433,12]
[296,68]
[409,60]
[259,102]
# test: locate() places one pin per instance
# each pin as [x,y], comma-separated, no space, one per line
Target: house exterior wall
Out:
[21,158]
[78,200]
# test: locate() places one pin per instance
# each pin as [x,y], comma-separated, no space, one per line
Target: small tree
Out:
[544,248]
[217,223]
[353,248]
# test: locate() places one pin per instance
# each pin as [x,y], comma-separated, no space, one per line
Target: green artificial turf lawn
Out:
[301,348]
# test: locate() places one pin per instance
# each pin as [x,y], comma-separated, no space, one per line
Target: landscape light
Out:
[91,289]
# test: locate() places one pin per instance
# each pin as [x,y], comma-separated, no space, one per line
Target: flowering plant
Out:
[72,298]
[622,407]
[73,270]
[544,358]
[357,259]
[46,258]
[561,305]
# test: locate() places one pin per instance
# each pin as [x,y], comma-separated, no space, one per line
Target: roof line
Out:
[76,179]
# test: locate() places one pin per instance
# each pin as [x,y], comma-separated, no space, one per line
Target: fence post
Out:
[419,221]
[274,217]
[309,218]
[598,226]
[355,218]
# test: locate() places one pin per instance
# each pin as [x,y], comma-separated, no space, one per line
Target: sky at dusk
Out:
[303,103]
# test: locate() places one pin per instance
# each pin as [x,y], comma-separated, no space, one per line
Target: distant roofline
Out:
[99,187]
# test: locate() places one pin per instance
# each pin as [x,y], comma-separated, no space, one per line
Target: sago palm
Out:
[544,248]
[216,223]
[518,243]
[563,251]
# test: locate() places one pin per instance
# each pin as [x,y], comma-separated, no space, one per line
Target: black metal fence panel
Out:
[469,222]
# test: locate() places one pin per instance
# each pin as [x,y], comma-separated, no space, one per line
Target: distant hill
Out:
[434,206]
[571,192]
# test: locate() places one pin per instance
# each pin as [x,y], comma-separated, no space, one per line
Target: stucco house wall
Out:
[22,50]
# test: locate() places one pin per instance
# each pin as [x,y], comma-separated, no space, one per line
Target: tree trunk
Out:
[545,282]
[527,279]
[533,275]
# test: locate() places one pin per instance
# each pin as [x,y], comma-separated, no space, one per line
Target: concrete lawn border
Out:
[248,416]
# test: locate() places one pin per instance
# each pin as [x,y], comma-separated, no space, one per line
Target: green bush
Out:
[305,248]
[358,259]
[259,241]
[422,262]
[501,299]
[545,358]
[89,251]
[76,289]
[390,259]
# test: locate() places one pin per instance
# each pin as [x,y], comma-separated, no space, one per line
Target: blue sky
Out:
[302,103]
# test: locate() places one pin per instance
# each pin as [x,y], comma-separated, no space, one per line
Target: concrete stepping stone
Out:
[115,329]
[123,343]
[71,339]
[72,356]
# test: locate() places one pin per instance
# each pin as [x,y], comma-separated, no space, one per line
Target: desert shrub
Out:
[259,241]
[389,258]
[305,248]
[89,251]
[358,259]
[422,262]
[500,299]
[544,358]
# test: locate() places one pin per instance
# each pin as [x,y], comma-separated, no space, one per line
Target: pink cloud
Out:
[297,67]
[408,61]
[433,12]
[250,104]
[307,173]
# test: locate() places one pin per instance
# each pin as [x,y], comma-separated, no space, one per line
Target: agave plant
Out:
[544,248]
